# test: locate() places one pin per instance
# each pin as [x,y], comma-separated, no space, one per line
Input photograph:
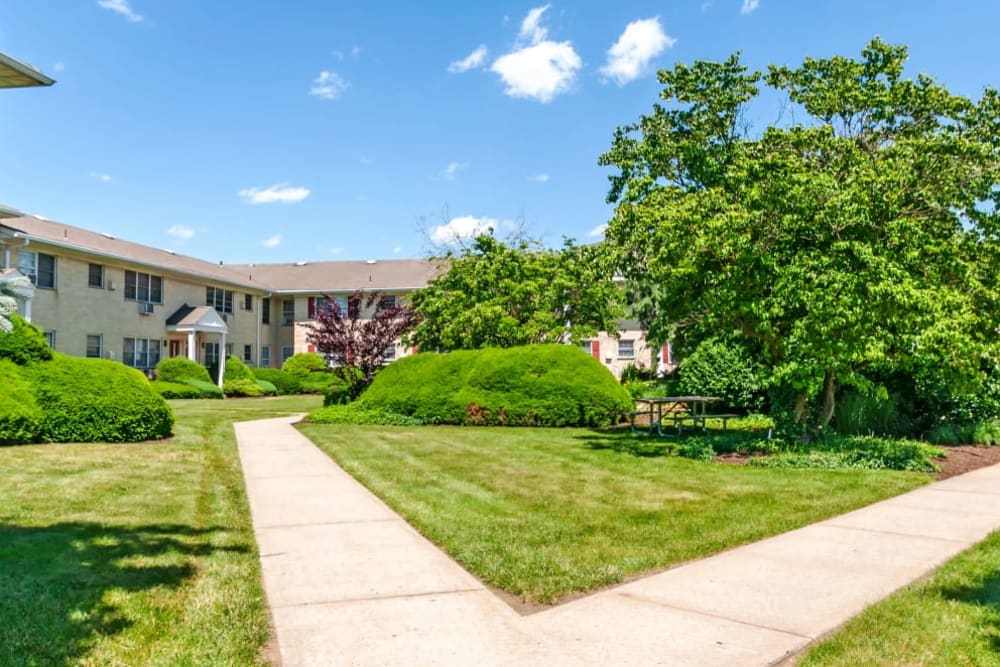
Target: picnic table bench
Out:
[675,411]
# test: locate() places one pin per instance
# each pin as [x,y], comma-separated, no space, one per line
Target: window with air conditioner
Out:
[143,287]
[220,299]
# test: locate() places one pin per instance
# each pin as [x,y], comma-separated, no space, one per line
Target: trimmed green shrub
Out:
[320,383]
[25,343]
[285,383]
[337,395]
[20,416]
[836,451]
[305,363]
[177,369]
[236,370]
[207,389]
[357,413]
[534,385]
[94,400]
[242,387]
[170,390]
[723,369]
[266,387]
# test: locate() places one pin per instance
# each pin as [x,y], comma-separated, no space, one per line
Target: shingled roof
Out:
[344,276]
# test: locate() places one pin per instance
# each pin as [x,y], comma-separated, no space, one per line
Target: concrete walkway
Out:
[350,583]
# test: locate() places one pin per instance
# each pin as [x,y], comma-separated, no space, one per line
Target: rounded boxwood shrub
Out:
[94,400]
[726,370]
[305,363]
[534,385]
[285,383]
[177,369]
[321,383]
[170,390]
[236,370]
[20,416]
[25,343]
[242,387]
[207,389]
[266,387]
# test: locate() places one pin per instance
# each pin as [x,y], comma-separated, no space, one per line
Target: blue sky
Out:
[284,131]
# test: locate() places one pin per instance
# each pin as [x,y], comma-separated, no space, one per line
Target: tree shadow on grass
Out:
[628,442]
[57,581]
[985,594]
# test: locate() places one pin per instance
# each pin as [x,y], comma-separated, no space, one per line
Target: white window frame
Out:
[148,279]
[286,354]
[150,344]
[30,269]
[629,355]
[287,313]
[265,356]
[100,346]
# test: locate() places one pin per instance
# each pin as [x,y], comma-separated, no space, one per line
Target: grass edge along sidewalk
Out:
[546,513]
[134,553]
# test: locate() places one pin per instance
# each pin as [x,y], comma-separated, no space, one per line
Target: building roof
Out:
[196,318]
[344,276]
[9,212]
[15,74]
[105,245]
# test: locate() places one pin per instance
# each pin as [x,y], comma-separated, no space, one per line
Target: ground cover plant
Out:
[952,618]
[137,554]
[540,385]
[541,513]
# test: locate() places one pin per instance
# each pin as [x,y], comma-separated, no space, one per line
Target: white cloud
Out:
[540,72]
[749,6]
[398,249]
[540,178]
[449,172]
[639,43]
[463,228]
[597,232]
[337,250]
[355,51]
[120,7]
[58,67]
[280,192]
[103,178]
[181,231]
[272,241]
[531,30]
[329,86]
[537,68]
[471,61]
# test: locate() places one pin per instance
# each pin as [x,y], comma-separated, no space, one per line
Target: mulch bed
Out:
[966,458]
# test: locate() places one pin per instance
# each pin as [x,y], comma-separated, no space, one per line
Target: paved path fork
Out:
[349,582]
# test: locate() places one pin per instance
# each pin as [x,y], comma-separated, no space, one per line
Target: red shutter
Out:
[665,354]
[312,307]
[312,348]
[595,349]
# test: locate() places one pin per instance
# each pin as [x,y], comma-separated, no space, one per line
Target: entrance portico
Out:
[196,322]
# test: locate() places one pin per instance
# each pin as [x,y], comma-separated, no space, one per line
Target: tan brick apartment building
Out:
[100,296]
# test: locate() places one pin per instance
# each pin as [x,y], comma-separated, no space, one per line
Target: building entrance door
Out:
[175,348]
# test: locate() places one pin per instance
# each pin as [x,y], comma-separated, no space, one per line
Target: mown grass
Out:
[134,554]
[953,618]
[542,513]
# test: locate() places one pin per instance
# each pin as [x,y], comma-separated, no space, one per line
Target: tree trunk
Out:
[829,397]
[800,408]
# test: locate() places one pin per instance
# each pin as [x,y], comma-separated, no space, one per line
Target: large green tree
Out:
[497,294]
[860,229]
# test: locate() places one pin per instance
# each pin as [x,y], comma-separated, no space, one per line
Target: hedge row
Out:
[20,416]
[535,385]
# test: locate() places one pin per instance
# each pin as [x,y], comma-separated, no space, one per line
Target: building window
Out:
[229,349]
[39,267]
[265,356]
[95,275]
[287,311]
[248,302]
[387,302]
[248,354]
[265,311]
[211,354]
[286,354]
[50,338]
[95,345]
[141,353]
[626,349]
[220,299]
[341,302]
[389,353]
[143,287]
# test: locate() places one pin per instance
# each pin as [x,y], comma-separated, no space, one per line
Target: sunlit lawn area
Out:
[542,513]
[134,554]
[953,618]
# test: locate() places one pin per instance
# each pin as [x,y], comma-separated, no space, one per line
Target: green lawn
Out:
[953,618]
[542,513]
[134,554]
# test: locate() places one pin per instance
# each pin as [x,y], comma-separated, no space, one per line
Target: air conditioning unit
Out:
[112,286]
[145,308]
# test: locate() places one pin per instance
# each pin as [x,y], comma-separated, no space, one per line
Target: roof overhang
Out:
[15,74]
[203,319]
[9,212]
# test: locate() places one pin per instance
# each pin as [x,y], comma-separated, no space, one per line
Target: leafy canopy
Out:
[495,294]
[864,231]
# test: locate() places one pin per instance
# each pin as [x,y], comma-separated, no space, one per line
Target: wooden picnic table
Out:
[677,409]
